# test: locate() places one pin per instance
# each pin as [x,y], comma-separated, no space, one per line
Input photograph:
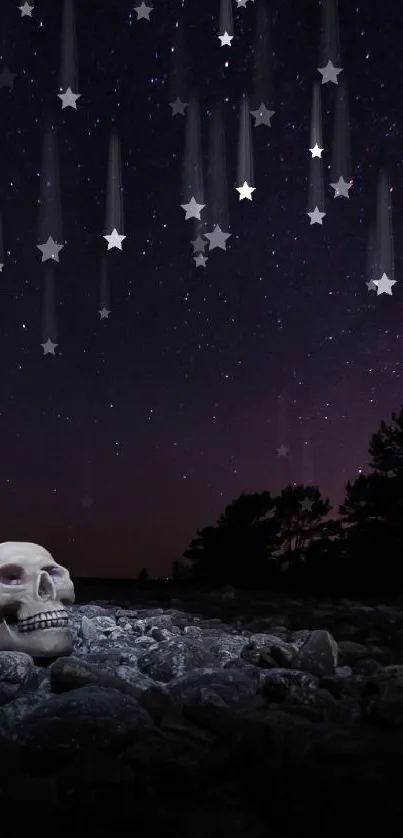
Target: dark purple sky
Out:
[167,411]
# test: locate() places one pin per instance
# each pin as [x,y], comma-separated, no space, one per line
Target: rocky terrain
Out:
[220,714]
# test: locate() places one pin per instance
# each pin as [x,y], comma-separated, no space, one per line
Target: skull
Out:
[33,592]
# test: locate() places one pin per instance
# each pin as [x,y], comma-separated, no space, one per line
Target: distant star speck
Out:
[50,250]
[225,39]
[330,73]
[114,239]
[371,285]
[341,188]
[282,451]
[217,238]
[192,209]
[316,216]
[245,191]
[49,347]
[69,98]
[143,11]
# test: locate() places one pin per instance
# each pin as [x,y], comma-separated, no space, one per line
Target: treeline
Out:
[289,542]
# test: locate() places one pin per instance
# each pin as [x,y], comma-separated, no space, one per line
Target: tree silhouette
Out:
[372,509]
[299,515]
[143,576]
[237,549]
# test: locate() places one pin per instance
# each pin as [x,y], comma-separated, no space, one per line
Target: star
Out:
[330,72]
[316,151]
[245,191]
[200,260]
[306,505]
[316,216]
[371,285]
[341,188]
[143,11]
[241,4]
[198,244]
[282,451]
[114,239]
[69,98]
[26,10]
[87,502]
[49,347]
[217,238]
[192,209]
[178,107]
[1,268]
[262,116]
[384,285]
[225,39]
[7,78]
[104,313]
[50,250]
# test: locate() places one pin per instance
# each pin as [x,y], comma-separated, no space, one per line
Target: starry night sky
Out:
[168,410]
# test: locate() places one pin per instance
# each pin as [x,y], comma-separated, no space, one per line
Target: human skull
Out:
[33,592]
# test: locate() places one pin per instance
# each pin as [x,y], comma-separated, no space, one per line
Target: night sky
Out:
[167,410]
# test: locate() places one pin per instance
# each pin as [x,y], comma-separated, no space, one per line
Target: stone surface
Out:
[208,714]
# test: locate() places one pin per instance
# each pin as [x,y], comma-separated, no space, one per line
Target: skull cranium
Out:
[33,592]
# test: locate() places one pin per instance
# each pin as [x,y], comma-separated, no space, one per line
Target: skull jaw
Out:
[42,643]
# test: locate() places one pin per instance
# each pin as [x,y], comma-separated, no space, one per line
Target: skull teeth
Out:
[44,620]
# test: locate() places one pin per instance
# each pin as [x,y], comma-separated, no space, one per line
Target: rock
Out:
[318,655]
[86,717]
[209,703]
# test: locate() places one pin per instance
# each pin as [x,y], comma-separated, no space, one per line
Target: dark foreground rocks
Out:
[242,720]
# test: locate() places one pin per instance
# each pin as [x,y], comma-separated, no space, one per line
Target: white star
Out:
[316,151]
[200,260]
[114,239]
[282,451]
[262,116]
[104,313]
[192,209]
[143,11]
[49,347]
[384,285]
[217,238]
[316,216]
[330,72]
[225,39]
[69,98]
[1,268]
[26,10]
[341,188]
[50,250]
[245,191]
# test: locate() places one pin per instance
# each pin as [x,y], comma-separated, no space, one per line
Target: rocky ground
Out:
[215,715]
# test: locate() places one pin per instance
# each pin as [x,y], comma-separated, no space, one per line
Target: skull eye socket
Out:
[54,572]
[11,575]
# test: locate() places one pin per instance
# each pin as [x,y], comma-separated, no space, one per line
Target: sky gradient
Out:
[167,410]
